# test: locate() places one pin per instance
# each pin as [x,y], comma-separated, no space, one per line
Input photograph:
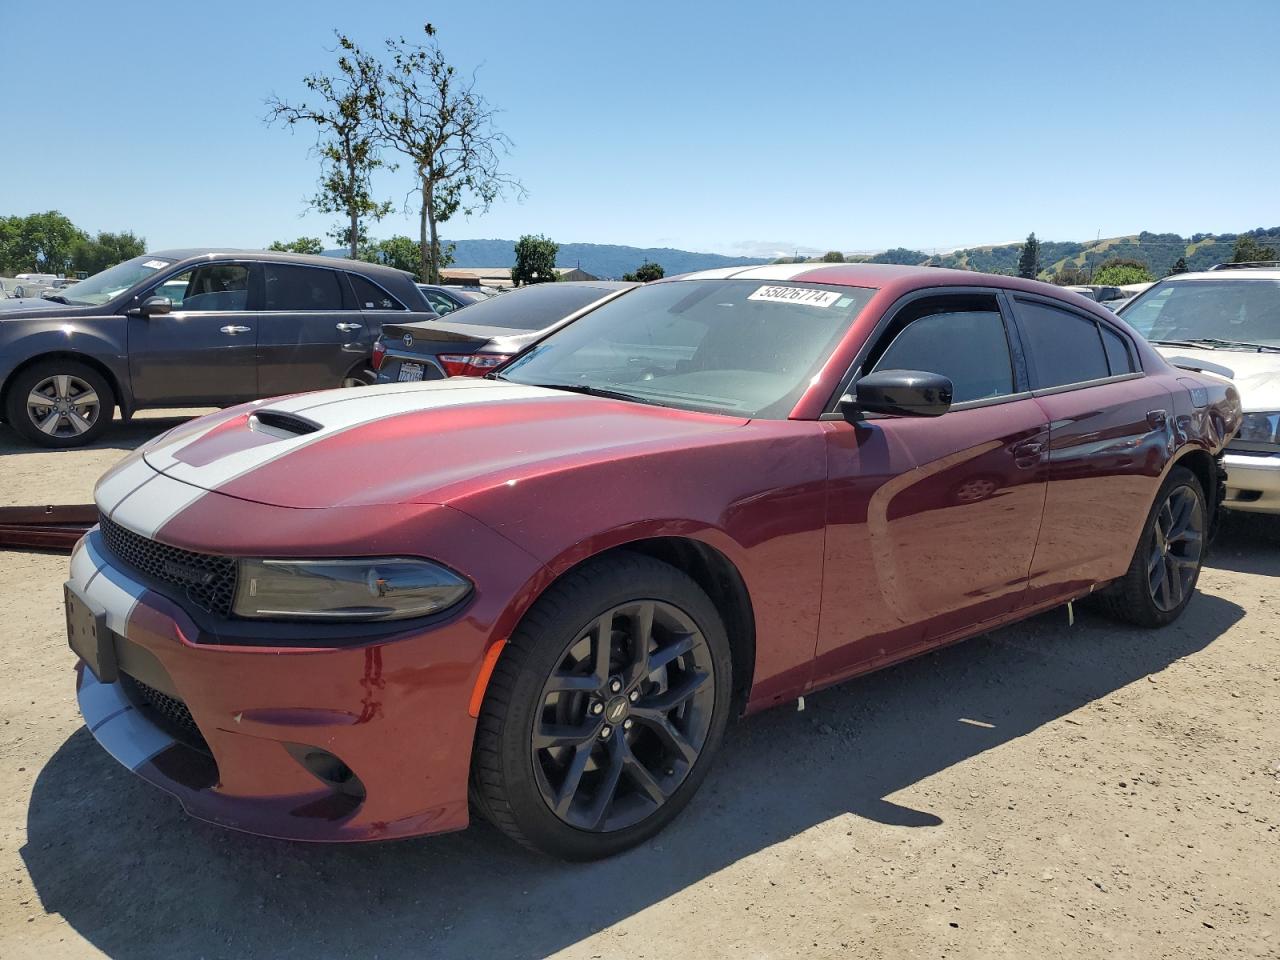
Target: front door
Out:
[311,336]
[932,522]
[204,352]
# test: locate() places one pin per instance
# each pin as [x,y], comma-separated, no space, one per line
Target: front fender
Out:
[41,338]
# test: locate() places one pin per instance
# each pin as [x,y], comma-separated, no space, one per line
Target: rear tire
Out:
[1166,563]
[582,756]
[60,403]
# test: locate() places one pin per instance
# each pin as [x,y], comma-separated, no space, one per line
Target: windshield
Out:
[741,347]
[112,282]
[1231,311]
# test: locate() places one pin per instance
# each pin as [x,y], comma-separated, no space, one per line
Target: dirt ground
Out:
[1047,791]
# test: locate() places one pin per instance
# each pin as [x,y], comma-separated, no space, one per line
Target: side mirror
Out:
[898,393]
[152,306]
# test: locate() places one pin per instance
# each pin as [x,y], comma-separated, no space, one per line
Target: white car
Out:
[1228,317]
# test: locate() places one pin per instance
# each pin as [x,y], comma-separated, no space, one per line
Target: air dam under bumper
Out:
[394,712]
[1253,482]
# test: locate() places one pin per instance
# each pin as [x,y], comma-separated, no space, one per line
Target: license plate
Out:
[410,372]
[88,636]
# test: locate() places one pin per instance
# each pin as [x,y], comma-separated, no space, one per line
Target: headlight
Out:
[1260,427]
[390,588]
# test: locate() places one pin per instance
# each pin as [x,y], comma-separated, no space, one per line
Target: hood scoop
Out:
[282,425]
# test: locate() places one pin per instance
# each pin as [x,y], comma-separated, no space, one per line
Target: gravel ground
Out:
[1049,790]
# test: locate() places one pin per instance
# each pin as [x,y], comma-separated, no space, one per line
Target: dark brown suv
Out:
[193,328]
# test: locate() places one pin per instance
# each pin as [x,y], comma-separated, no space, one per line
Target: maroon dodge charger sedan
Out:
[342,615]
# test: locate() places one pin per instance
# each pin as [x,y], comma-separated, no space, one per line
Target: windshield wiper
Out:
[56,298]
[589,390]
[1219,342]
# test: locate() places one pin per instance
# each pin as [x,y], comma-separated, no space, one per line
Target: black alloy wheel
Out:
[624,716]
[1177,542]
[605,709]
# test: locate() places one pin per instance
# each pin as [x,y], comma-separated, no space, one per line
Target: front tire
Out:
[60,403]
[1166,564]
[605,710]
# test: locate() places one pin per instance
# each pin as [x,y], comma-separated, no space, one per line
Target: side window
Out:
[212,287]
[965,341]
[1064,347]
[439,303]
[1119,360]
[300,288]
[370,296]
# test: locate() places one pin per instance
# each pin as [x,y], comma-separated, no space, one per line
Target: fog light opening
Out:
[328,769]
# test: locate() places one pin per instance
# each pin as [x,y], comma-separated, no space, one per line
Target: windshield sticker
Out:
[155,264]
[802,295]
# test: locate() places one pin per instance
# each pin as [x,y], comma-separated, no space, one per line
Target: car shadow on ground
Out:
[1247,543]
[137,878]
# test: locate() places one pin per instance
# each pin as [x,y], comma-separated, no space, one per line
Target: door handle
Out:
[1157,418]
[348,327]
[231,331]
[1028,448]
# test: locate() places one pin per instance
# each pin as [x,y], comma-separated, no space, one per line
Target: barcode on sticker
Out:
[802,295]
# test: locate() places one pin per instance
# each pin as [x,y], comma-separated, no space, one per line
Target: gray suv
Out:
[193,328]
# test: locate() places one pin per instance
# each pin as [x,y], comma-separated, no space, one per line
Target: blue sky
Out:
[740,127]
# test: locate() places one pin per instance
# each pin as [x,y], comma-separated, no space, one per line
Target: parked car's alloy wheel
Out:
[604,710]
[1166,564]
[60,403]
[359,376]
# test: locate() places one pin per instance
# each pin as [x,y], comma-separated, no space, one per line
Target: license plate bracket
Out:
[410,372]
[88,636]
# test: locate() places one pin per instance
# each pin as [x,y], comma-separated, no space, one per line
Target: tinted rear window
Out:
[1118,357]
[301,288]
[1065,347]
[532,308]
[370,296]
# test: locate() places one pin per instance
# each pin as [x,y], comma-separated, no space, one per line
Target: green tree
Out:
[41,242]
[1249,250]
[1179,266]
[645,272]
[347,140]
[446,130]
[833,256]
[1118,272]
[1070,276]
[535,260]
[1029,260]
[400,252]
[301,245]
[94,254]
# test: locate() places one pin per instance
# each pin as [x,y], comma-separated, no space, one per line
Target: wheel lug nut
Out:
[634,696]
[606,733]
[626,724]
[615,685]
[597,708]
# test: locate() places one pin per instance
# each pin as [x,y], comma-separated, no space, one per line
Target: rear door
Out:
[933,521]
[311,336]
[204,352]
[1110,433]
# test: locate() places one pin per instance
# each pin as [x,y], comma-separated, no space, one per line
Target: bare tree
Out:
[446,130]
[347,139]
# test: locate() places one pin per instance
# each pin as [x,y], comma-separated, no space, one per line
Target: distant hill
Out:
[598,259]
[1158,251]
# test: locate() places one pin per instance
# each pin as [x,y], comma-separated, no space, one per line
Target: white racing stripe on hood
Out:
[120,482]
[337,411]
[155,503]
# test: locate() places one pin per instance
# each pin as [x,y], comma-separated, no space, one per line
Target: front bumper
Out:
[394,712]
[1253,482]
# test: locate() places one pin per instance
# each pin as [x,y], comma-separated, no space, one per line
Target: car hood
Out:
[413,443]
[1256,375]
[25,308]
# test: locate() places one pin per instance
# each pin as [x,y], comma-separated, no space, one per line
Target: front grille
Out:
[208,581]
[173,711]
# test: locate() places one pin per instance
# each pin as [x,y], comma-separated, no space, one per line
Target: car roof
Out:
[894,278]
[1252,273]
[279,256]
